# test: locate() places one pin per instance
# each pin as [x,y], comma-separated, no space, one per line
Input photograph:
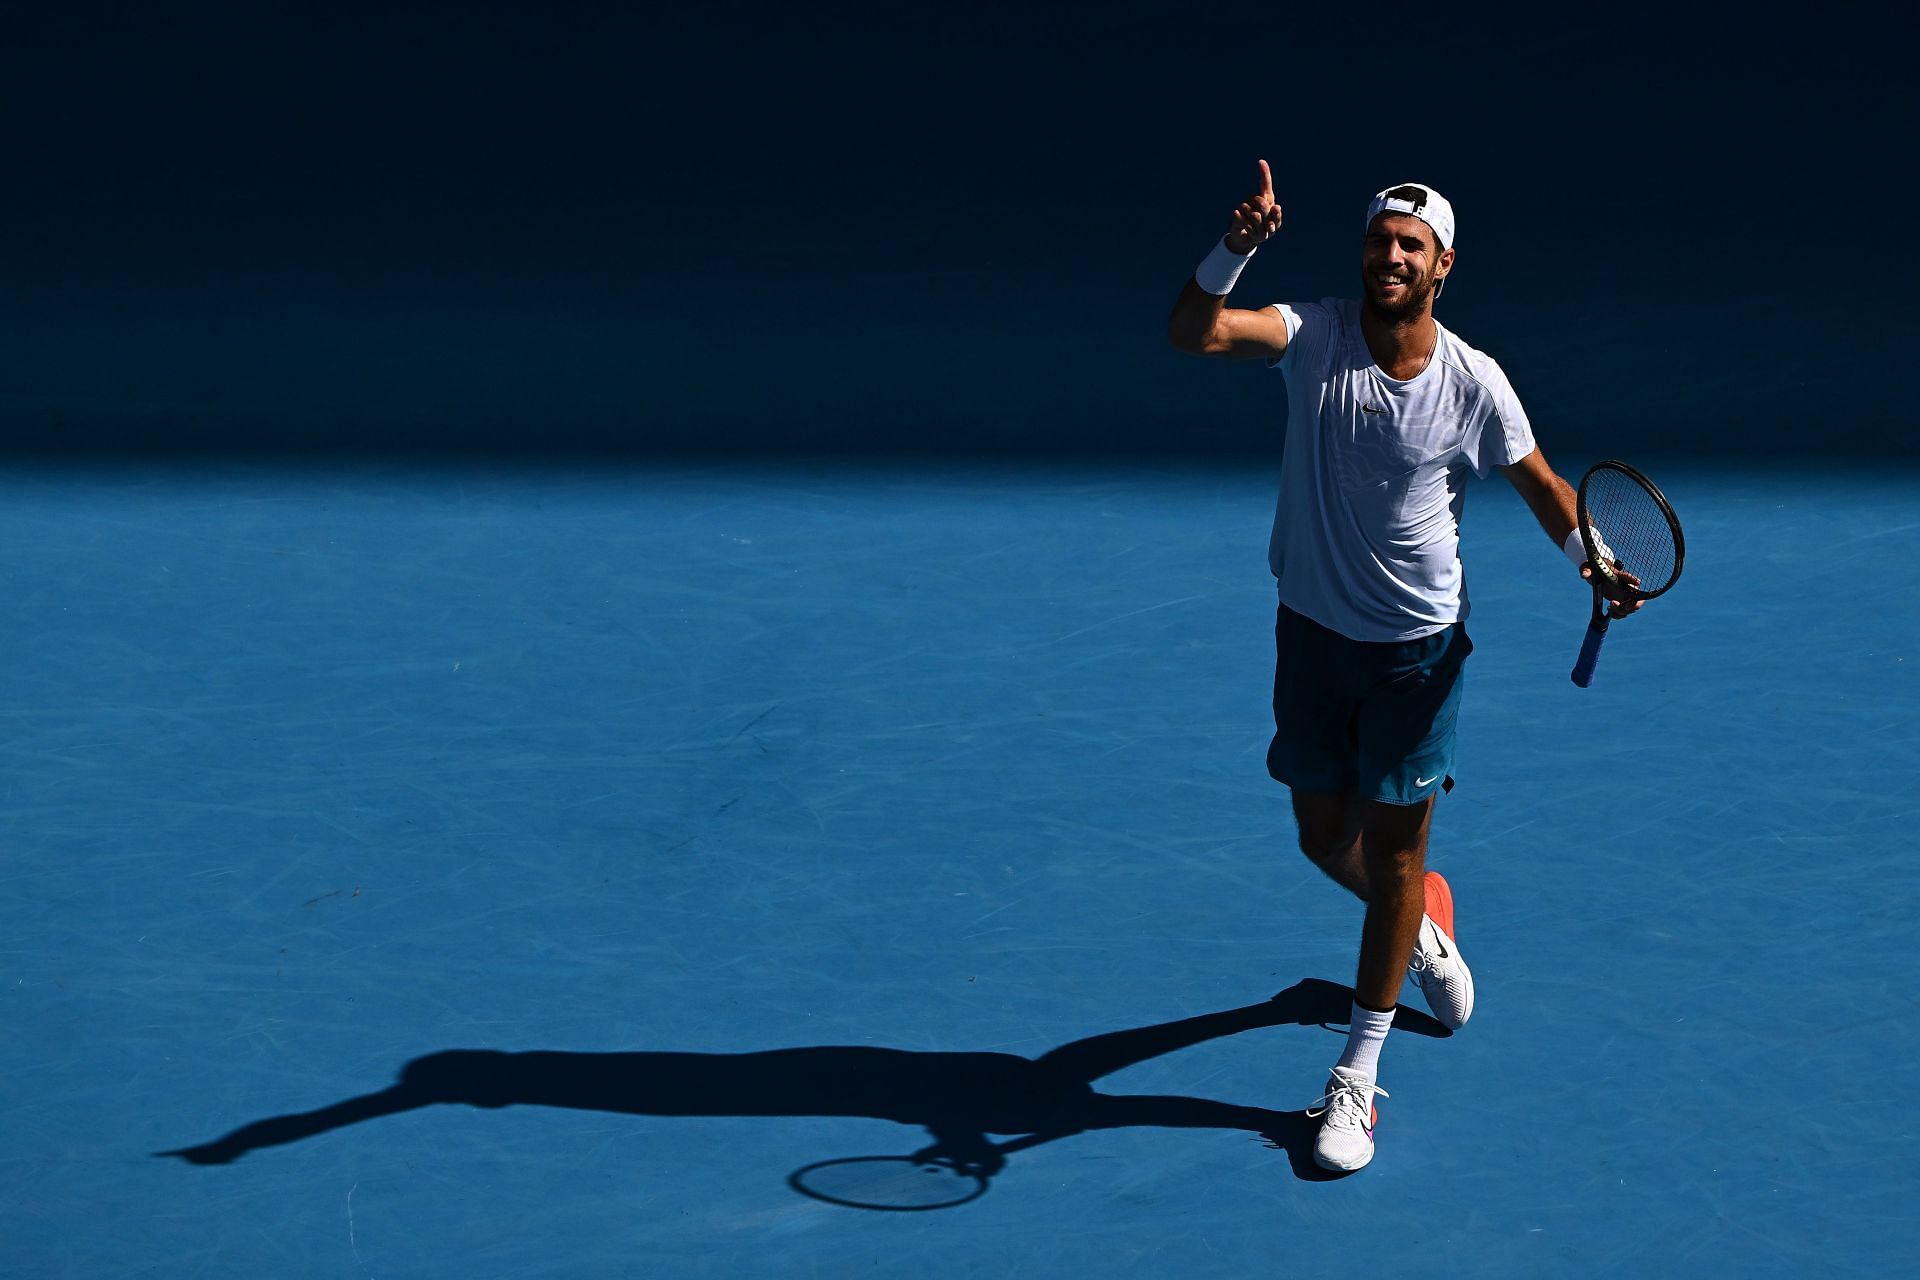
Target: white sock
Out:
[1368,1032]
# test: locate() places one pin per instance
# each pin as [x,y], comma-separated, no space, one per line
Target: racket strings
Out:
[1633,525]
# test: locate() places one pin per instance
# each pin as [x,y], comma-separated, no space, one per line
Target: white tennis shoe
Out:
[1437,967]
[1345,1140]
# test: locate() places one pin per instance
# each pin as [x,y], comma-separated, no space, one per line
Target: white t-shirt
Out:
[1366,538]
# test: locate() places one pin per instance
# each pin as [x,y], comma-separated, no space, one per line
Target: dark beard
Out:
[1418,294]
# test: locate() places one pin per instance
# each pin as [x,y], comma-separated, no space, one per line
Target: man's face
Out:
[1401,264]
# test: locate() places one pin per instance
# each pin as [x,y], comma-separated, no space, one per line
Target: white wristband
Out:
[1577,550]
[1219,269]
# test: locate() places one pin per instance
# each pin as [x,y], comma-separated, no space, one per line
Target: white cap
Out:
[1420,200]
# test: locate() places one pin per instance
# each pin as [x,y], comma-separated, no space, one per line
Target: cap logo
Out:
[1415,196]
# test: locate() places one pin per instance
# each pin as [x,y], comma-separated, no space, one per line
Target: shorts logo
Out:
[1421,782]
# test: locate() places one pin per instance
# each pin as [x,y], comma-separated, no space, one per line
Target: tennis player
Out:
[1387,415]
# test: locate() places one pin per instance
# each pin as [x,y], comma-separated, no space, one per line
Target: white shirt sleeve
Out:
[1505,436]
[1305,321]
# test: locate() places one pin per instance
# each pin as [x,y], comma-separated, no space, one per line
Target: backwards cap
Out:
[1420,200]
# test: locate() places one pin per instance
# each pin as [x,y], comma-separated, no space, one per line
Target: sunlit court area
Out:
[630,817]
[636,651]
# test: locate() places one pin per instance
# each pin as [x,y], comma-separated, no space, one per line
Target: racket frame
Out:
[1594,558]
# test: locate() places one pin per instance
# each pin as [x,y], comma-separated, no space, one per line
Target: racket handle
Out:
[1589,655]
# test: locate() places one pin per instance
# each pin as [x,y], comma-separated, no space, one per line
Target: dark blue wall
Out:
[495,226]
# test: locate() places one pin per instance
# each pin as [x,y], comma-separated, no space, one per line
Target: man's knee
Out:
[1393,841]
[1393,867]
[1327,845]
[1329,827]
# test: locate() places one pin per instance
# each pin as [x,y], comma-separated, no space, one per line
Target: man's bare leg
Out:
[1393,857]
[1378,851]
[1330,823]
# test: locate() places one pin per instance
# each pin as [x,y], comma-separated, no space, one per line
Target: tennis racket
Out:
[1633,542]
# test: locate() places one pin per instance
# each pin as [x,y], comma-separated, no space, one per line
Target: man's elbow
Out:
[1185,338]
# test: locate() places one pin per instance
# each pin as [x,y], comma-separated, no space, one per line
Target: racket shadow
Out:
[959,1098]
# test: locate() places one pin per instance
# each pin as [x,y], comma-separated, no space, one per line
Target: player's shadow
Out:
[960,1098]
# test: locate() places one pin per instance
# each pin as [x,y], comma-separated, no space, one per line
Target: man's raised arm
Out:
[1202,323]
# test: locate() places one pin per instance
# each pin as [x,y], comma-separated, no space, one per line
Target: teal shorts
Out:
[1376,720]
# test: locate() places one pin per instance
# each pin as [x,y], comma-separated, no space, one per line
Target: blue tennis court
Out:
[475,872]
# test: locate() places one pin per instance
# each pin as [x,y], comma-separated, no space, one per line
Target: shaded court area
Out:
[468,872]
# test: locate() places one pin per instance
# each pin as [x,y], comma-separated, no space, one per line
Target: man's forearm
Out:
[1550,498]
[1554,507]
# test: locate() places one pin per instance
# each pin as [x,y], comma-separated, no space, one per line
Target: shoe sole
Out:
[1439,895]
[1440,902]
[1330,1167]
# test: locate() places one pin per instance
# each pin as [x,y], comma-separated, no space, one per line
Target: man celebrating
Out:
[1387,412]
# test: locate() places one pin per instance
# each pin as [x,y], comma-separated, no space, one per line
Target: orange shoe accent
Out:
[1440,902]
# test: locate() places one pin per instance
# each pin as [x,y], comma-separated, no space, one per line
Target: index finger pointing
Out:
[1266,180]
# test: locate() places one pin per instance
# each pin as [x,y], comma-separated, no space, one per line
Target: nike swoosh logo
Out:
[1367,408]
[1421,782]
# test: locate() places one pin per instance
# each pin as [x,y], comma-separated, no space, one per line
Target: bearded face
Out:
[1401,267]
[1396,294]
